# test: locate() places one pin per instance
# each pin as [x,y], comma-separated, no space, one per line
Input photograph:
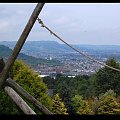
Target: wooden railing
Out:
[29,97]
[9,85]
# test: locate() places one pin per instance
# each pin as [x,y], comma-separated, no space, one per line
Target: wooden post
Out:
[20,43]
[29,97]
[18,100]
[2,64]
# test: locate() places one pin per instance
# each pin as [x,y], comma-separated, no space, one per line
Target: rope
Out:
[89,57]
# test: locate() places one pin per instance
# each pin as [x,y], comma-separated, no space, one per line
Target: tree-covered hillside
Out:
[33,84]
[5,52]
[95,94]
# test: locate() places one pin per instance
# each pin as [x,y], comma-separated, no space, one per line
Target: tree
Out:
[81,106]
[80,85]
[106,103]
[7,106]
[95,105]
[90,89]
[107,78]
[49,82]
[85,110]
[109,106]
[108,93]
[30,81]
[58,105]
[64,89]
[5,101]
[77,103]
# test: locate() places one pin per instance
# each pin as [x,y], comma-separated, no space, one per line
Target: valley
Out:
[51,58]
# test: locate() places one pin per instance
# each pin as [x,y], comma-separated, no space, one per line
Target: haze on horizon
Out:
[80,23]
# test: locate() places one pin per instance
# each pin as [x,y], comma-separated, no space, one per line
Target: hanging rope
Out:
[89,57]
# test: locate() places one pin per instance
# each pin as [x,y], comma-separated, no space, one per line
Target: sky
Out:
[76,23]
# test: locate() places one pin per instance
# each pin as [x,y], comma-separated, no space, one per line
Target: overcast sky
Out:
[80,23]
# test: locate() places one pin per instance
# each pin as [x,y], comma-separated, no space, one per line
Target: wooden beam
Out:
[20,43]
[18,100]
[29,97]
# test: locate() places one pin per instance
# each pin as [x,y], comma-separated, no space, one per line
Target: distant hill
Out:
[5,52]
[55,47]
[39,46]
[35,48]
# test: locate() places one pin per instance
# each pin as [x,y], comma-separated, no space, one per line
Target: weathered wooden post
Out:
[21,91]
[18,100]
[2,64]
[20,43]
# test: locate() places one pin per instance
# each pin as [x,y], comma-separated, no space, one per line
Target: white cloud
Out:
[3,25]
[79,22]
[21,12]
[61,21]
